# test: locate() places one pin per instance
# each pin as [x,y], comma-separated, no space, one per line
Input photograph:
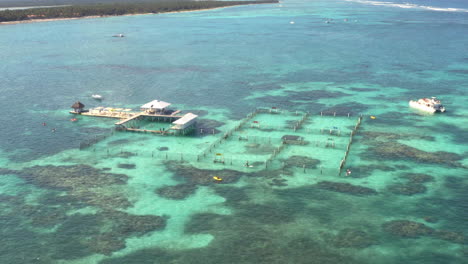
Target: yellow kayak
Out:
[216,178]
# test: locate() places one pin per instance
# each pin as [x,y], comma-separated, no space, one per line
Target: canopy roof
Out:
[77,104]
[155,104]
[185,119]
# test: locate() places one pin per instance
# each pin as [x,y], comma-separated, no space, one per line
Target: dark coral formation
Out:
[398,151]
[192,175]
[431,219]
[407,188]
[84,183]
[352,238]
[418,177]
[346,188]
[128,166]
[407,229]
[384,146]
[70,236]
[454,237]
[410,229]
[177,192]
[125,154]
[301,162]
[70,177]
[209,123]
[207,127]
[105,243]
[456,183]
[278,182]
[133,225]
[248,240]
[350,107]
[414,184]
[387,136]
[118,142]
[367,170]
[266,213]
[260,149]
[163,148]
[104,232]
[47,217]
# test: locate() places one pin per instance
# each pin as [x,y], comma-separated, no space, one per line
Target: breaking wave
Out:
[409,6]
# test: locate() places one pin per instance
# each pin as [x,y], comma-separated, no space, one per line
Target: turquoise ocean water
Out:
[140,198]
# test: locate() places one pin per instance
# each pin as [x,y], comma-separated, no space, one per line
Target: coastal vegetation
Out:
[117,9]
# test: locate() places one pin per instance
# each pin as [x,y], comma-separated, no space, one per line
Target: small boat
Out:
[97,97]
[118,36]
[216,178]
[430,105]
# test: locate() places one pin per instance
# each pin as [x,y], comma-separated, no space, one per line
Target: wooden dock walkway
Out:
[107,114]
[128,119]
[149,131]
[126,116]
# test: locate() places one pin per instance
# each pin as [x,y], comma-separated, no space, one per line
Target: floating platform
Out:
[128,119]
[108,112]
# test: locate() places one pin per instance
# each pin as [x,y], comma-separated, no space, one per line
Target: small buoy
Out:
[292,22]
[373,117]
[216,178]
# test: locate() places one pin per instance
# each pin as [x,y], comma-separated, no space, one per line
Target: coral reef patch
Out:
[301,161]
[192,175]
[346,188]
[410,229]
[352,238]
[407,188]
[127,166]
[398,151]
[407,229]
[82,182]
[177,192]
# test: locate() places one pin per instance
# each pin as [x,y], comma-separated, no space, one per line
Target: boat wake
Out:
[409,6]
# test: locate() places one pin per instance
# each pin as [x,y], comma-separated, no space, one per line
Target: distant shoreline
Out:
[36,20]
[87,17]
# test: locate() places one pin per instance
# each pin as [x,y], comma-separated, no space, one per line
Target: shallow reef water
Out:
[243,188]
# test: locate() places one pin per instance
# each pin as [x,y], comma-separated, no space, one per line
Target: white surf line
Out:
[409,6]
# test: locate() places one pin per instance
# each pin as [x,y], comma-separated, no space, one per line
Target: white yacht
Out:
[97,96]
[430,105]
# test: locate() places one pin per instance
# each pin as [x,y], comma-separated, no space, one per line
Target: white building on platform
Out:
[155,106]
[185,123]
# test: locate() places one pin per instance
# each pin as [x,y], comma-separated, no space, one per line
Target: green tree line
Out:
[117,9]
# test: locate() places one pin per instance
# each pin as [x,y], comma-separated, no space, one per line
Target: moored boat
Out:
[430,105]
